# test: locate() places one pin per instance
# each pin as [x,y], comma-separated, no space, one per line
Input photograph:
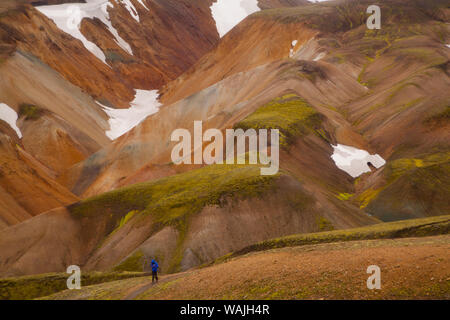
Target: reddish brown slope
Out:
[61,124]
[171,36]
[53,113]
[32,32]
[408,64]
[211,211]
[252,43]
[27,188]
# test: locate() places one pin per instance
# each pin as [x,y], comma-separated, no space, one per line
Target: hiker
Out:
[155,268]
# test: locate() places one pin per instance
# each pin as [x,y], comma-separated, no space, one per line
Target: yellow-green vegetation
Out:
[125,219]
[426,55]
[398,88]
[399,167]
[31,287]
[393,93]
[400,229]
[361,74]
[324,224]
[410,104]
[133,263]
[290,114]
[30,111]
[171,201]
[310,272]
[367,196]
[344,196]
[338,58]
[115,290]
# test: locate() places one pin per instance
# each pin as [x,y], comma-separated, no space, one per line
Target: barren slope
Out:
[411,268]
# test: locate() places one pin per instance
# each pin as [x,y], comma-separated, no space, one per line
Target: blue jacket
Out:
[154,266]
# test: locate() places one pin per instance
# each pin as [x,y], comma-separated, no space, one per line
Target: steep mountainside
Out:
[333,88]
[77,62]
[139,53]
[197,223]
[52,81]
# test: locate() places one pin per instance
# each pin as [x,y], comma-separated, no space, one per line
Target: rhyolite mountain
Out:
[70,195]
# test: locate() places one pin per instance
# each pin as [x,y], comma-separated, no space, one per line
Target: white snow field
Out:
[228,13]
[121,121]
[68,18]
[10,116]
[355,161]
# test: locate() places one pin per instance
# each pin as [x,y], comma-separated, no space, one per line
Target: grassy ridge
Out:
[290,114]
[400,229]
[31,287]
[415,187]
[171,201]
[45,285]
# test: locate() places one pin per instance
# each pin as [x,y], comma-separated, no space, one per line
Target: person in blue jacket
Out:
[155,268]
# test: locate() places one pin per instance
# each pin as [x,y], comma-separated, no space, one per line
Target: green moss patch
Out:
[31,287]
[399,167]
[172,199]
[344,196]
[367,196]
[417,192]
[324,224]
[134,263]
[426,55]
[407,168]
[400,229]
[30,111]
[290,114]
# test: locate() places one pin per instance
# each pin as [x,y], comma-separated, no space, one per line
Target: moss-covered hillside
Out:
[390,230]
[292,115]
[31,287]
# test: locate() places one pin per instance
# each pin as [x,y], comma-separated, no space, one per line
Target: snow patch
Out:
[10,116]
[355,161]
[121,121]
[142,3]
[293,44]
[228,13]
[68,18]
